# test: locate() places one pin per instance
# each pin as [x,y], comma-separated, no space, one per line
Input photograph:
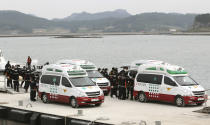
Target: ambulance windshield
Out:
[185,80]
[94,74]
[81,82]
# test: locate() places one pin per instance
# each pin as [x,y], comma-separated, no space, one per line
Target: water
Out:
[191,52]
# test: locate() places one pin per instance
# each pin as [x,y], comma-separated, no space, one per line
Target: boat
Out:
[2,62]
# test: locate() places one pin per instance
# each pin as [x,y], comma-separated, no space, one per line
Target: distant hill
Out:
[13,22]
[202,23]
[146,22]
[120,13]
[20,22]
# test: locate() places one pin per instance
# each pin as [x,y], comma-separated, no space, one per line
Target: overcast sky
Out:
[62,8]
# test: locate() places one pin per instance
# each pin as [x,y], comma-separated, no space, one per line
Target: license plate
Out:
[200,99]
[93,100]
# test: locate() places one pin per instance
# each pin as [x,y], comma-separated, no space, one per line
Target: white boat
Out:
[2,61]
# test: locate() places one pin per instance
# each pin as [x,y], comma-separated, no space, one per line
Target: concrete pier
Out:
[114,111]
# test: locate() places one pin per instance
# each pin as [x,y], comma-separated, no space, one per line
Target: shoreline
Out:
[100,35]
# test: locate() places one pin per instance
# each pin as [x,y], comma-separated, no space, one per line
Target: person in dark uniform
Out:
[106,73]
[123,79]
[113,81]
[15,77]
[22,74]
[7,66]
[8,73]
[99,69]
[27,79]
[132,75]
[131,81]
[33,88]
[128,88]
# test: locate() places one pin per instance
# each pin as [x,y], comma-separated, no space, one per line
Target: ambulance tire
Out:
[179,101]
[142,97]
[45,98]
[73,102]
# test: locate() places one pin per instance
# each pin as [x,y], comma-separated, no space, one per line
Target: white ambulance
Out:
[68,84]
[92,72]
[169,83]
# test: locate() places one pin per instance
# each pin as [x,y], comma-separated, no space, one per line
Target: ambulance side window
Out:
[46,79]
[65,82]
[56,80]
[149,78]
[49,79]
[168,81]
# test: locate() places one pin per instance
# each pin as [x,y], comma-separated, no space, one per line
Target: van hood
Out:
[100,80]
[194,88]
[89,88]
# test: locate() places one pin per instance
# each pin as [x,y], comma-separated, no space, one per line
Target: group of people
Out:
[122,83]
[17,76]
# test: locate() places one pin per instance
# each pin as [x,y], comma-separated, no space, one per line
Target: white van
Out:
[169,83]
[68,84]
[92,72]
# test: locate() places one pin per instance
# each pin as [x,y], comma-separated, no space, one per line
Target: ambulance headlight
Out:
[82,94]
[187,93]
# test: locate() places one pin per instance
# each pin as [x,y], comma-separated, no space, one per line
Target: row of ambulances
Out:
[68,83]
[92,72]
[160,81]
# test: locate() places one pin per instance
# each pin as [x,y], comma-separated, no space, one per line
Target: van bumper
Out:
[90,100]
[195,99]
[106,89]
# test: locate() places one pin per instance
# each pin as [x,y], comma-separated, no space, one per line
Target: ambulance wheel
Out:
[45,98]
[180,101]
[142,97]
[98,104]
[74,103]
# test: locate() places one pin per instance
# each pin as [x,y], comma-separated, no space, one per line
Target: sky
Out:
[62,8]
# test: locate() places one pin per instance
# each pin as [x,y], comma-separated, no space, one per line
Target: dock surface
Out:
[114,111]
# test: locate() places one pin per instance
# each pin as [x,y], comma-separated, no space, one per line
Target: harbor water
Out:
[191,52]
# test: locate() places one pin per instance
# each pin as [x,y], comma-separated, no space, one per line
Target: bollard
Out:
[157,122]
[20,103]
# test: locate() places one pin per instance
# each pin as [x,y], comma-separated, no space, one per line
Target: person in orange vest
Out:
[29,60]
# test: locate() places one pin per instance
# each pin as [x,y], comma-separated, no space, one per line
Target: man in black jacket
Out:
[113,81]
[15,77]
[123,80]
[33,88]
